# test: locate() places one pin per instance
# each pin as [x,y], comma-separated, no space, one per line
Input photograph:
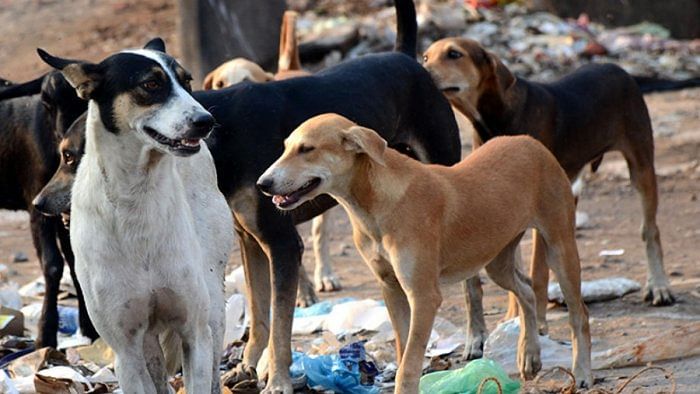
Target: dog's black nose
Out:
[202,124]
[39,204]
[265,185]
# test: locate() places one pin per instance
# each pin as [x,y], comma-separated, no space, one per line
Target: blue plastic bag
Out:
[320,308]
[340,373]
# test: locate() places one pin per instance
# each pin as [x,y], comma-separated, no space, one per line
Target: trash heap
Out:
[535,45]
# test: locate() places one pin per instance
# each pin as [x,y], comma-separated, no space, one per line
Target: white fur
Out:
[151,241]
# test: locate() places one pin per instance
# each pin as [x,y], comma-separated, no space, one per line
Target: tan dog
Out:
[418,226]
[596,109]
[240,69]
[288,66]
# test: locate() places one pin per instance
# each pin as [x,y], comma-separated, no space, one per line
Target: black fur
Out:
[35,115]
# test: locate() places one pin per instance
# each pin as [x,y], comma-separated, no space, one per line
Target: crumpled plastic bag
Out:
[339,373]
[597,290]
[466,380]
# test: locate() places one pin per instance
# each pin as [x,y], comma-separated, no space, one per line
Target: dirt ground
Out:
[90,29]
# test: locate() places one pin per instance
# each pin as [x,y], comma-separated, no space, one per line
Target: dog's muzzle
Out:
[199,128]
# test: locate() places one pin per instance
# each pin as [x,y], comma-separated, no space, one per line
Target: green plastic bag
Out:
[466,380]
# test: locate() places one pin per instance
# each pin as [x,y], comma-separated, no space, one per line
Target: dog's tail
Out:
[406,28]
[289,49]
[171,344]
[652,84]
[23,89]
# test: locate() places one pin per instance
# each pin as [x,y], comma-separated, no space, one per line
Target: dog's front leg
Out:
[44,237]
[476,325]
[400,314]
[197,356]
[130,364]
[285,258]
[86,326]
[424,299]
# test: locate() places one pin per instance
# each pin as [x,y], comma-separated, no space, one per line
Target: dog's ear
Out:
[82,76]
[208,81]
[364,140]
[503,76]
[156,44]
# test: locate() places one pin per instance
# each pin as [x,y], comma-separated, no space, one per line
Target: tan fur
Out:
[418,226]
[240,69]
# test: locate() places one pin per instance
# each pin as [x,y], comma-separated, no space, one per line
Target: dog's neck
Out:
[129,167]
[496,107]
[371,187]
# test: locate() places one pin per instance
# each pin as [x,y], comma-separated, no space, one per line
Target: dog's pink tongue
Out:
[277,199]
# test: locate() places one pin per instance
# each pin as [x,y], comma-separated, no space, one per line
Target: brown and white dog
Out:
[288,66]
[596,109]
[418,226]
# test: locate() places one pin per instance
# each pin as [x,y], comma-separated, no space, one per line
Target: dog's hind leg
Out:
[506,273]
[476,325]
[324,278]
[563,260]
[640,160]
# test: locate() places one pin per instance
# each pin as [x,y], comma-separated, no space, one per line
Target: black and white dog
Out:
[150,229]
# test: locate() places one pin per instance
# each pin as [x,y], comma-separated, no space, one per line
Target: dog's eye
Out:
[68,157]
[220,84]
[305,149]
[452,54]
[151,85]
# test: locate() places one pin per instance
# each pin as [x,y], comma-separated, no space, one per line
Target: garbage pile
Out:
[538,46]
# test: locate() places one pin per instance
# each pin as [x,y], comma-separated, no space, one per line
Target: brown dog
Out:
[598,108]
[419,225]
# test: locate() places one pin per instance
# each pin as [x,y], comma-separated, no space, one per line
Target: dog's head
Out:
[463,70]
[235,71]
[61,101]
[54,198]
[319,157]
[145,92]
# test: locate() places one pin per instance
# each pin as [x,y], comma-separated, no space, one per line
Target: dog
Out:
[35,116]
[240,69]
[419,225]
[146,214]
[596,109]
[389,92]
[54,198]
[289,66]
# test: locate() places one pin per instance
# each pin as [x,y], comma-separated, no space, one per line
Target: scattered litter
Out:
[611,252]
[583,220]
[337,372]
[597,290]
[67,320]
[502,344]
[235,282]
[99,353]
[466,380]
[236,318]
[9,296]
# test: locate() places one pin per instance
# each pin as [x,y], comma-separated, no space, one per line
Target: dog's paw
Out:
[241,377]
[306,296]
[529,363]
[327,283]
[659,295]
[474,346]
[279,385]
[584,380]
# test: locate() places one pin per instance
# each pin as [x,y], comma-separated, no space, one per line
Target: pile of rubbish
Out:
[535,45]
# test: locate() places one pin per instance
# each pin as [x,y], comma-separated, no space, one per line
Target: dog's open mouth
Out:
[185,145]
[287,200]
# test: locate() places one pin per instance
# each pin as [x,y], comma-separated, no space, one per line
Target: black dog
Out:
[35,115]
[389,92]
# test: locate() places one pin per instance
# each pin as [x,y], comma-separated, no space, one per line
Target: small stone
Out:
[19,257]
